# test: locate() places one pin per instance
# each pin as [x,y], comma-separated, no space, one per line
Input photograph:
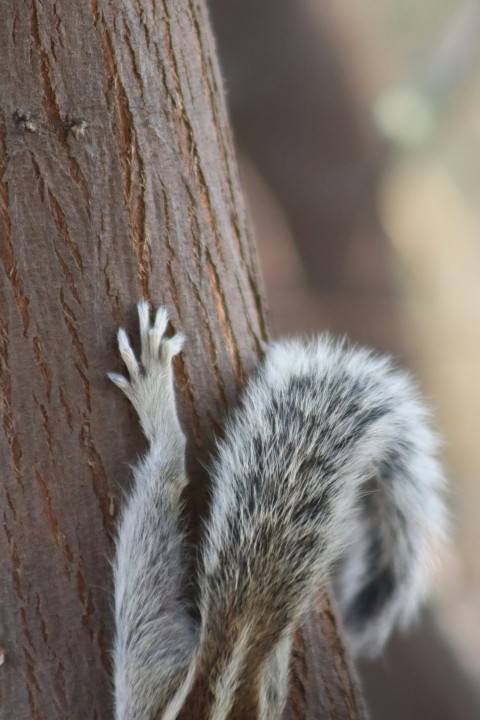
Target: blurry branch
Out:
[408,112]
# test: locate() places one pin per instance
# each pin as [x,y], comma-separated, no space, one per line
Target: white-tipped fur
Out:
[328,464]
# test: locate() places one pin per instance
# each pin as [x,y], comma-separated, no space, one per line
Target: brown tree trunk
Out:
[301,122]
[118,179]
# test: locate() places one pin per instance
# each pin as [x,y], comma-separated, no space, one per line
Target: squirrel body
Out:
[328,463]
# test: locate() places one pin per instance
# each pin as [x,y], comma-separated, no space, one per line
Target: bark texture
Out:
[117,179]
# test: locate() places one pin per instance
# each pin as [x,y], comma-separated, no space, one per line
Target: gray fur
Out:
[328,462]
[154,635]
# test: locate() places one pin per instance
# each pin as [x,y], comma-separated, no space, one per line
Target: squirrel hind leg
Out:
[274,682]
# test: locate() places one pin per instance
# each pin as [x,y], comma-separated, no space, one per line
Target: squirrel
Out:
[328,465]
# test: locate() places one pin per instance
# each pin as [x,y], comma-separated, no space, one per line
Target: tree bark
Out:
[117,180]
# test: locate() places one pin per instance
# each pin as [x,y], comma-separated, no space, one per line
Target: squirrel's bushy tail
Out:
[328,462]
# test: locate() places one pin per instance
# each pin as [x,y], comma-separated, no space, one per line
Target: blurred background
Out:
[358,128]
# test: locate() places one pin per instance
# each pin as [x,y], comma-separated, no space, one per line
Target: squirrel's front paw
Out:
[150,388]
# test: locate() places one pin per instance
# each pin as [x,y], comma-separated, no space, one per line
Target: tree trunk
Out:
[118,180]
[301,122]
